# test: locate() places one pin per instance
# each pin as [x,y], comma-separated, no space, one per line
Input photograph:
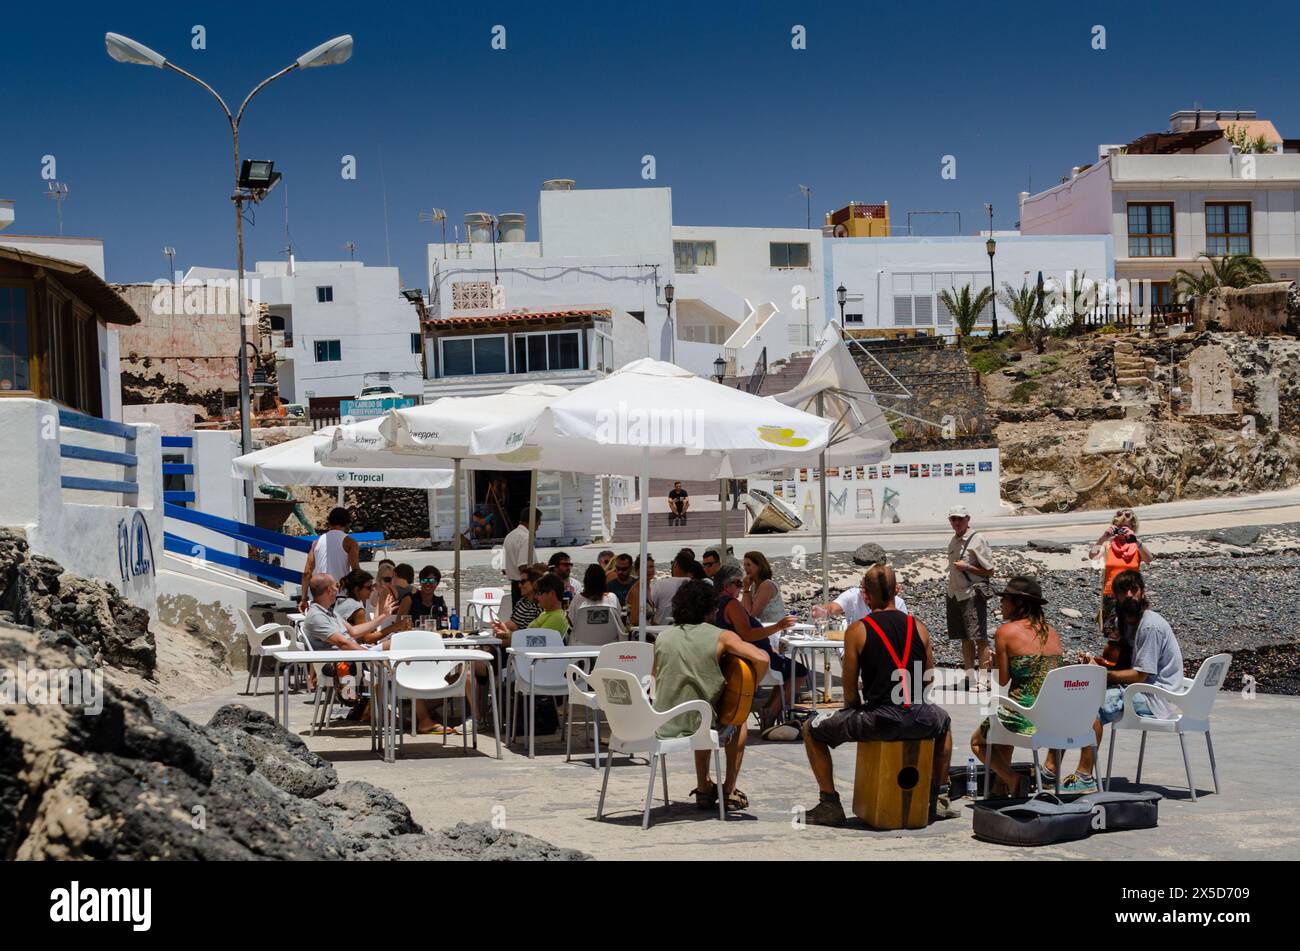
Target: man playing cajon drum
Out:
[875,649]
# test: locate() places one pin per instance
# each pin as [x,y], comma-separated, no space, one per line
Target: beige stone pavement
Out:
[1254,817]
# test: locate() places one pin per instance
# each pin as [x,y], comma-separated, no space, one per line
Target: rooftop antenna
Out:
[437,216]
[383,186]
[807,194]
[170,254]
[351,249]
[288,241]
[58,193]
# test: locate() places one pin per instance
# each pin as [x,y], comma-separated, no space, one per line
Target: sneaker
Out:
[943,809]
[828,812]
[1079,783]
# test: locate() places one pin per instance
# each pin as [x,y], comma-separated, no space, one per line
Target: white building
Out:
[1168,197]
[337,326]
[618,250]
[895,282]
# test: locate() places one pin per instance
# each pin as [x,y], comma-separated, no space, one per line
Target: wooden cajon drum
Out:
[891,787]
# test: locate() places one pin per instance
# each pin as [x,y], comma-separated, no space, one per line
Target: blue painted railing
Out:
[260,569]
[71,419]
[178,496]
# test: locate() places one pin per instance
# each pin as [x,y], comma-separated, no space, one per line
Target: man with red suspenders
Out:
[883,697]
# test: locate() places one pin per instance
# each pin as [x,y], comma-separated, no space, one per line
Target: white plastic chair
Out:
[427,680]
[483,607]
[1194,701]
[633,724]
[636,657]
[256,644]
[541,678]
[595,625]
[1063,715]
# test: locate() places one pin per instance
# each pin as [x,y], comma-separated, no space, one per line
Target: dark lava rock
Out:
[869,554]
[1046,544]
[1242,537]
[38,593]
[137,781]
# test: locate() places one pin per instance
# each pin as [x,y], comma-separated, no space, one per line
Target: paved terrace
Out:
[1254,817]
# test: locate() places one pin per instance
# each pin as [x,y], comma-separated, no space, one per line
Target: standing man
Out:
[679,502]
[970,565]
[514,551]
[336,553]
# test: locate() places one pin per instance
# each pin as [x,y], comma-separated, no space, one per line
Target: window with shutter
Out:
[902,310]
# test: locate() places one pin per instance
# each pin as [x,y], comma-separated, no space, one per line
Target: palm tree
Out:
[966,307]
[1025,306]
[1231,270]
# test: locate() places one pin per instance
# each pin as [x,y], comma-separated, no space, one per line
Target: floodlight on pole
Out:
[252,180]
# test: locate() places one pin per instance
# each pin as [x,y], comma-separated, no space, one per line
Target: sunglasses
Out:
[429,580]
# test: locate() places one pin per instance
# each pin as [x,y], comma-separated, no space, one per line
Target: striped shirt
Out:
[524,612]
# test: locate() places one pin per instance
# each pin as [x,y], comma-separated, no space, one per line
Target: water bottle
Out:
[972,790]
[454,620]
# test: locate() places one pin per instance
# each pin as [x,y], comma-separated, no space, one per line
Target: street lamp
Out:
[252,181]
[991,246]
[841,295]
[719,368]
[669,293]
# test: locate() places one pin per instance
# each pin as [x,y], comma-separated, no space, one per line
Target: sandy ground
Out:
[1251,817]
[187,669]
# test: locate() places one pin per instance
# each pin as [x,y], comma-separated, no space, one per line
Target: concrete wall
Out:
[619,221]
[1096,202]
[873,270]
[921,500]
[79,529]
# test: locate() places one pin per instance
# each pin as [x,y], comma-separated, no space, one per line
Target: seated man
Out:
[679,502]
[620,581]
[550,598]
[1148,654]
[326,629]
[852,603]
[658,597]
[888,704]
[688,659]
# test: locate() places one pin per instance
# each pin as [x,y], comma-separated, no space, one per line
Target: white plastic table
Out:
[548,652]
[799,642]
[382,727]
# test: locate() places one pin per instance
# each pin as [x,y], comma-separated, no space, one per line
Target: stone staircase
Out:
[704,520]
[778,379]
[1132,373]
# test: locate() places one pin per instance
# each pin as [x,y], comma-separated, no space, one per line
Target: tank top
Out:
[721,619]
[419,610]
[877,663]
[331,559]
[1120,558]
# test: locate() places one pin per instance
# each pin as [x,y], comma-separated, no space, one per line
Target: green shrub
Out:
[1023,391]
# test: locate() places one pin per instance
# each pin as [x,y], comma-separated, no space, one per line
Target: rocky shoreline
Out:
[1235,590]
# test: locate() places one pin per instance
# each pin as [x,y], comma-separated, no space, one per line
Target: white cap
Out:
[959,511]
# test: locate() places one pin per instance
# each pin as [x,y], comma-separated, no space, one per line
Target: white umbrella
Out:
[445,432]
[833,387]
[294,462]
[654,417]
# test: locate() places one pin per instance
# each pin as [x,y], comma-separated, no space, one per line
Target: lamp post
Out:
[719,369]
[841,295]
[992,246]
[252,180]
[669,293]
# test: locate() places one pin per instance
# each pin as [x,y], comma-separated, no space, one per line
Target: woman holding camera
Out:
[1124,552]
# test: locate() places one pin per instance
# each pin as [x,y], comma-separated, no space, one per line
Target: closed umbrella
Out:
[834,389]
[294,462]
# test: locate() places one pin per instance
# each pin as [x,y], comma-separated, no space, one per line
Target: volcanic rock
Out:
[869,554]
[1242,537]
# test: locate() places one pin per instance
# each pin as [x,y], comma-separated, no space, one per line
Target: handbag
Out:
[1040,820]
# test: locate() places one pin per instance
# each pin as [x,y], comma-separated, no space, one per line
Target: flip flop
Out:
[737,801]
[438,730]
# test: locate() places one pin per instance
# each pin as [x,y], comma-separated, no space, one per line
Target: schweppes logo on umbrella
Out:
[781,436]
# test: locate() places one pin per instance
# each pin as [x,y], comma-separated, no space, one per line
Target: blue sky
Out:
[735,117]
